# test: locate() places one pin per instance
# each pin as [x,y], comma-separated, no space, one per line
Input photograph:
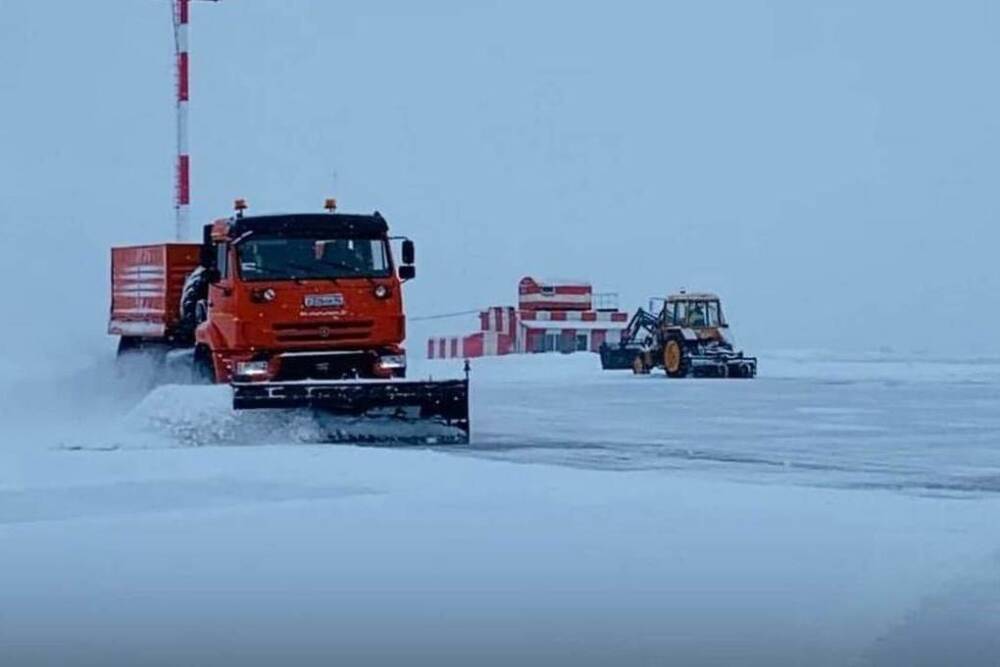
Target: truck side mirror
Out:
[407,272]
[408,251]
[207,254]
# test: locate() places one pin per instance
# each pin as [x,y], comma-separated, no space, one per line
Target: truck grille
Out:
[326,366]
[319,332]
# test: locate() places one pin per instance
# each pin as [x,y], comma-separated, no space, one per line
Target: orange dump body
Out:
[146,284]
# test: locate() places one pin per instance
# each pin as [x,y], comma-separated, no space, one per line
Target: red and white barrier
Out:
[482,344]
[500,319]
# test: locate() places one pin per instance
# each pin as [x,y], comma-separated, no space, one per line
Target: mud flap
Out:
[429,412]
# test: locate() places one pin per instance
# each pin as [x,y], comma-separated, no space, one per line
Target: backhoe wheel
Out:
[639,366]
[675,360]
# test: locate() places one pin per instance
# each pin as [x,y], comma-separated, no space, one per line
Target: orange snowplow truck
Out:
[293,310]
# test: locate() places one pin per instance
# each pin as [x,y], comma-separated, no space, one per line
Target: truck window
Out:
[680,313]
[222,259]
[696,314]
[713,318]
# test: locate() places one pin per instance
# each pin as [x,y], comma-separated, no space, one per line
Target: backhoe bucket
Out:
[391,411]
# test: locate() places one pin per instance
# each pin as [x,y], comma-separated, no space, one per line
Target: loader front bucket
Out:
[392,411]
[614,357]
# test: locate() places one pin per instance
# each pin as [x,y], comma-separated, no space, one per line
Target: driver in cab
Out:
[696,317]
[341,253]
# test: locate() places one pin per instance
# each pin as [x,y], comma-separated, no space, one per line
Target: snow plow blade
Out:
[723,365]
[400,411]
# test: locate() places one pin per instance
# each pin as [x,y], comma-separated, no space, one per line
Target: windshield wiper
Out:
[279,273]
[340,264]
[309,269]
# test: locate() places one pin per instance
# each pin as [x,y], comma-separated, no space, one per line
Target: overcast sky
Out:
[830,168]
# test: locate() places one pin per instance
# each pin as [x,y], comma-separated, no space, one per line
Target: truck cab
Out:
[298,296]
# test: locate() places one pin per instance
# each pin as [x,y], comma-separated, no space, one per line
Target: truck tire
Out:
[676,361]
[193,295]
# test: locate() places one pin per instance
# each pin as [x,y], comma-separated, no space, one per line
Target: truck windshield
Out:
[291,258]
[695,314]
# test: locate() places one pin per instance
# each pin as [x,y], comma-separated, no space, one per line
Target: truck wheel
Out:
[675,359]
[202,369]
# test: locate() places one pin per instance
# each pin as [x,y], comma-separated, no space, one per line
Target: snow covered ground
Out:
[837,510]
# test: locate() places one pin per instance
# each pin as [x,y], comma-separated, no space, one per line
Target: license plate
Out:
[324,300]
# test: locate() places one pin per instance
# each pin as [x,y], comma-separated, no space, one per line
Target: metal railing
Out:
[605,300]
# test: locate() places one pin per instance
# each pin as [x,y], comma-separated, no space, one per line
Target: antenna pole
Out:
[182,189]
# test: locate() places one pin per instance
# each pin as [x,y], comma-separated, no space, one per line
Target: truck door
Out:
[221,302]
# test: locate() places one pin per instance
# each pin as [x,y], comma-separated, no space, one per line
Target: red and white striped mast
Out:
[182,170]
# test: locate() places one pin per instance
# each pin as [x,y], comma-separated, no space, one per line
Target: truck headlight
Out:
[381,292]
[263,295]
[255,370]
[392,361]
